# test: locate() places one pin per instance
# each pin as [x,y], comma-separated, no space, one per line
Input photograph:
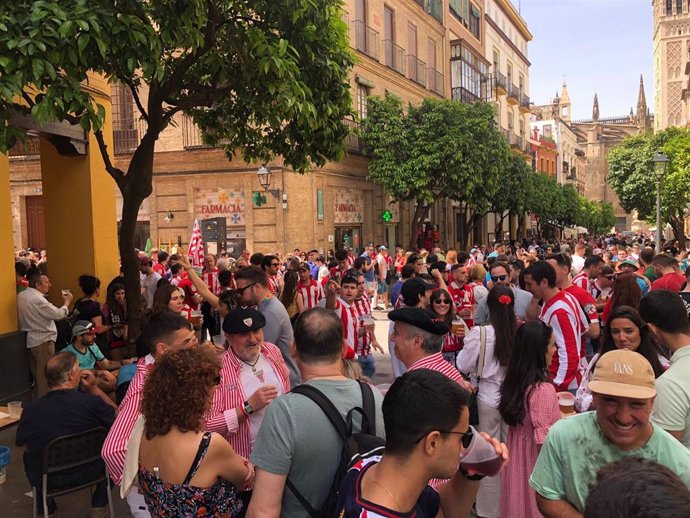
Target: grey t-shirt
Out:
[278,331]
[297,439]
[522,300]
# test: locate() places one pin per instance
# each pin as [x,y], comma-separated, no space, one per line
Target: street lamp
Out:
[265,175]
[660,160]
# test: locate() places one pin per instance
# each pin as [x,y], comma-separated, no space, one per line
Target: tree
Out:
[567,205]
[440,149]
[631,175]
[597,216]
[541,199]
[509,198]
[268,77]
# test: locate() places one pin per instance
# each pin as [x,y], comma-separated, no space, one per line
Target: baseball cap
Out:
[623,373]
[628,262]
[383,247]
[243,320]
[144,260]
[421,318]
[81,327]
[474,250]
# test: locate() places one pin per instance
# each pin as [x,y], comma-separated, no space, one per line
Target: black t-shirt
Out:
[58,413]
[88,309]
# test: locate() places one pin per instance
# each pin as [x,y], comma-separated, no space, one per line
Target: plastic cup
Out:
[195,317]
[566,402]
[15,409]
[369,324]
[458,327]
[481,456]
[218,340]
[65,293]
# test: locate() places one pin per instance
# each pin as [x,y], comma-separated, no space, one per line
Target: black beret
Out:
[421,318]
[243,320]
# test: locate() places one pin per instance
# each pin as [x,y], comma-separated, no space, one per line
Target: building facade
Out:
[412,48]
[671,51]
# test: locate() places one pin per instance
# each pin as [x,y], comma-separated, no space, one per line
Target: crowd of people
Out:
[568,362]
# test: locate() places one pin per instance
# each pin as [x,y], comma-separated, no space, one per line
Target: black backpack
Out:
[354,443]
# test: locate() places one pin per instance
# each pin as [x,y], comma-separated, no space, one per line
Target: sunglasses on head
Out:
[499,278]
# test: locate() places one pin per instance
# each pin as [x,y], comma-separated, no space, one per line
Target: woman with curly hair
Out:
[184,471]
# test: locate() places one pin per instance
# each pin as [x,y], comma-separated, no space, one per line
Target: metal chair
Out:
[69,452]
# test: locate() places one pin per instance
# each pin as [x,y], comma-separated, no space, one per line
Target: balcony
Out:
[394,56]
[416,70]
[463,95]
[353,141]
[366,40]
[433,7]
[527,147]
[513,94]
[507,133]
[516,142]
[435,81]
[191,135]
[524,104]
[501,84]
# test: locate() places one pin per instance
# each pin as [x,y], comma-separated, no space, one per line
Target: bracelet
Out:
[467,476]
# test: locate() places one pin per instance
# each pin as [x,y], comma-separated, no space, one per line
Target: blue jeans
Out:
[368,364]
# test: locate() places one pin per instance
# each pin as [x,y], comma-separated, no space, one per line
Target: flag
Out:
[148,246]
[196,246]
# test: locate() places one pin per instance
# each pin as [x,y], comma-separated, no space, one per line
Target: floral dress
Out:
[185,501]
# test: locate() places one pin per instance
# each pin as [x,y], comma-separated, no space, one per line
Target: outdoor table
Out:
[7,421]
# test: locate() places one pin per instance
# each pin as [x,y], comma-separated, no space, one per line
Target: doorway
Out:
[349,237]
[35,225]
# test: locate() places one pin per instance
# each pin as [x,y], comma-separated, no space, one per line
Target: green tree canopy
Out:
[439,149]
[631,175]
[269,77]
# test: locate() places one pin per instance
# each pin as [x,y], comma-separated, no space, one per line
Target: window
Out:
[511,124]
[541,165]
[469,72]
[669,7]
[461,10]
[431,55]
[522,128]
[411,40]
[521,82]
[497,60]
[360,10]
[362,94]
[679,6]
[510,73]
[475,22]
[388,17]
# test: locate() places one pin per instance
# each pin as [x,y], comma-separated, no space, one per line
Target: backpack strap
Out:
[333,415]
[369,411]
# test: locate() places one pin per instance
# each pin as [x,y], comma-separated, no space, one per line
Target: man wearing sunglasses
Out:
[426,420]
[499,275]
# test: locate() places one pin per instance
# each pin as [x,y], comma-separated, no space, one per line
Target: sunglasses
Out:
[499,278]
[610,277]
[466,437]
[241,290]
[441,301]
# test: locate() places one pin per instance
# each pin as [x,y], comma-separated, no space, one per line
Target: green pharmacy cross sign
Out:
[259,199]
[387,216]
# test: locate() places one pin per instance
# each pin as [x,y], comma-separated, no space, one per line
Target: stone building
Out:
[671,55]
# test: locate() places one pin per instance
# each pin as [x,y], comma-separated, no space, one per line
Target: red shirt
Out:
[189,291]
[671,281]
[311,293]
[463,299]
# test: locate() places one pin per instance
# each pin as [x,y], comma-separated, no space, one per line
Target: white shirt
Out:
[251,382]
[148,283]
[493,373]
[578,264]
[37,317]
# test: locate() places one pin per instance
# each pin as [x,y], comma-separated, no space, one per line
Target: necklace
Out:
[374,481]
[259,373]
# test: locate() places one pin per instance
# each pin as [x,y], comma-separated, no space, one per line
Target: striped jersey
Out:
[363,309]
[311,293]
[273,286]
[350,320]
[566,317]
[581,280]
[210,279]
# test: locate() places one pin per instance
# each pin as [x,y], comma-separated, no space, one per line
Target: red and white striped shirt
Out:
[581,280]
[312,293]
[210,278]
[350,261]
[115,446]
[348,316]
[437,363]
[222,417]
[363,308]
[565,316]
[273,285]
[463,298]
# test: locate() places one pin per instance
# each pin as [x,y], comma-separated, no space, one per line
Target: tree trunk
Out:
[469,228]
[137,187]
[678,227]
[498,229]
[419,214]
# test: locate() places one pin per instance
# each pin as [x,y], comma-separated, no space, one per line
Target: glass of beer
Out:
[458,327]
[369,324]
[195,317]
[566,402]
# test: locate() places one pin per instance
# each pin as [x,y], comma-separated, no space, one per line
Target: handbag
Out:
[472,405]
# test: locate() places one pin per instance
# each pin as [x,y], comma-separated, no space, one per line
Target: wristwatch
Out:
[247,408]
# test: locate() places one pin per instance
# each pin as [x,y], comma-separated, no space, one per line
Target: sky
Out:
[599,46]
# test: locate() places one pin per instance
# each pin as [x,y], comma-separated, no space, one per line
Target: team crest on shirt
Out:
[590,308]
[248,322]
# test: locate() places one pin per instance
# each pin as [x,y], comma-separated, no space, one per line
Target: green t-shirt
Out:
[88,359]
[650,273]
[575,450]
[672,403]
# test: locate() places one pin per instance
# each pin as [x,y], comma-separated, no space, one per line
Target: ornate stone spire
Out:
[595,109]
[641,102]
